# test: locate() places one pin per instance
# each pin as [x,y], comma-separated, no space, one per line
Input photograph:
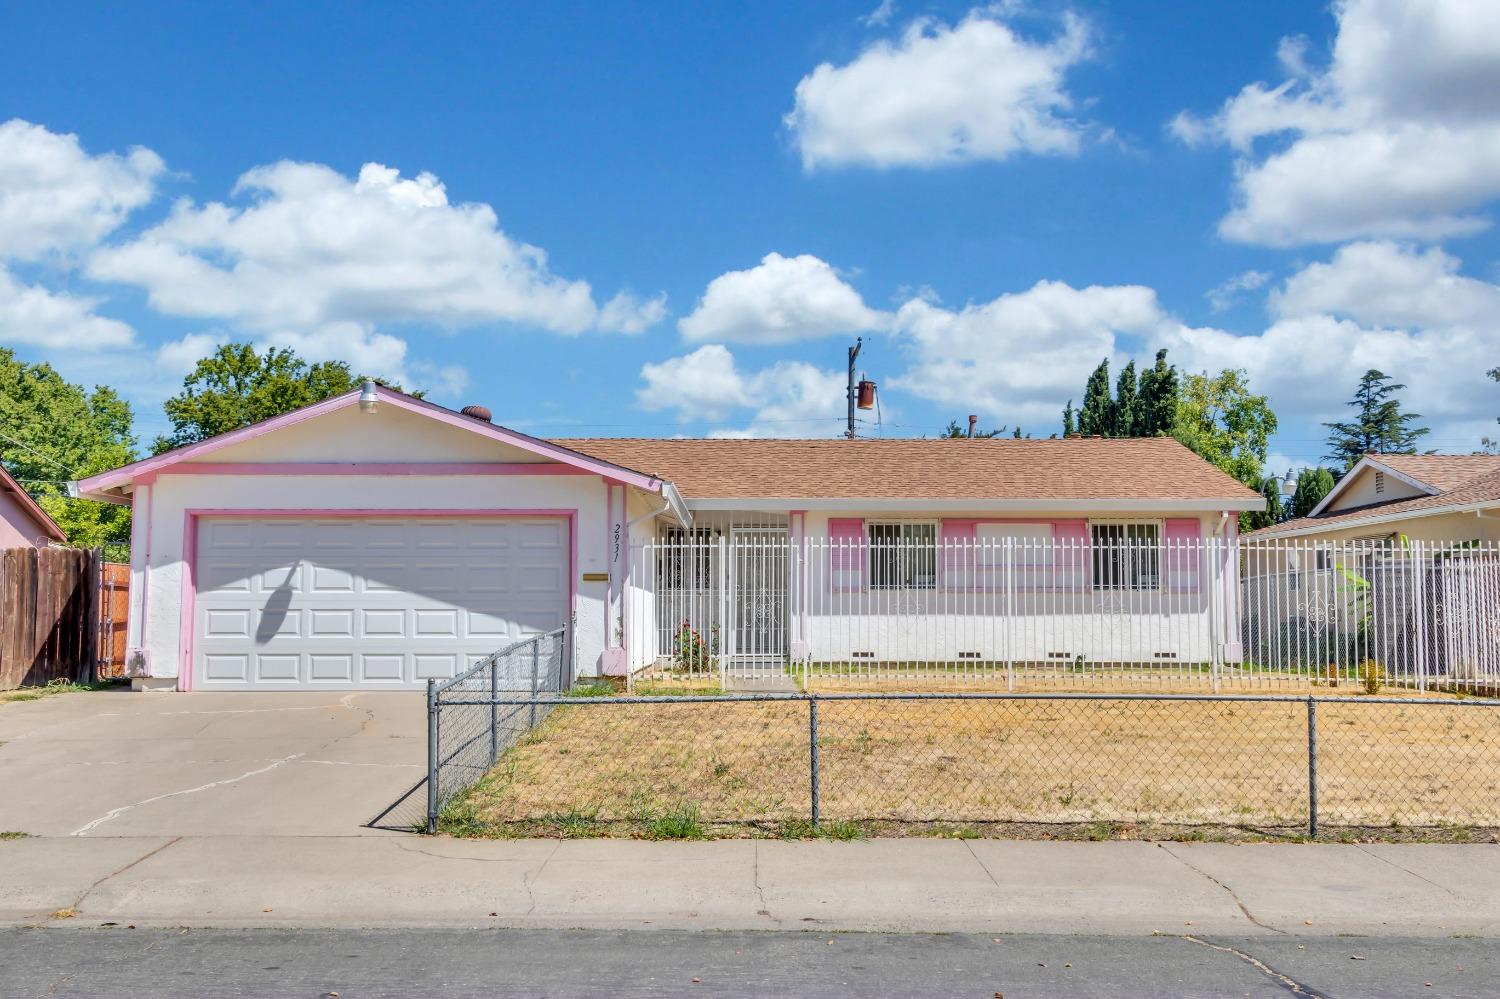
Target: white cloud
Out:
[942,94]
[1226,294]
[1022,355]
[308,249]
[1405,311]
[881,15]
[788,399]
[180,356]
[56,198]
[1398,137]
[37,317]
[780,300]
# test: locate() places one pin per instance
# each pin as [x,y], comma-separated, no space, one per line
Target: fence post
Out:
[812,747]
[1312,767]
[494,709]
[1010,613]
[432,756]
[536,652]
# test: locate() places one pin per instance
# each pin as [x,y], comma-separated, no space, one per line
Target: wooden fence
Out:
[114,604]
[49,619]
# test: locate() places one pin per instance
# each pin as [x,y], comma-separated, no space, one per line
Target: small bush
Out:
[1371,676]
[692,653]
[679,823]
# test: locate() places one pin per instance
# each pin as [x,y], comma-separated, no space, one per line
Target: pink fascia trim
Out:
[127,473]
[374,468]
[191,516]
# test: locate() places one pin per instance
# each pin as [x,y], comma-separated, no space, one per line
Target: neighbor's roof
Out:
[23,499]
[1458,482]
[1087,468]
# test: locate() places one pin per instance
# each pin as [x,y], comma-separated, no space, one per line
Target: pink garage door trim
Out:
[185,678]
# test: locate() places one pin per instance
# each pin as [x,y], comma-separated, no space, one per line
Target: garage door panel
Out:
[290,602]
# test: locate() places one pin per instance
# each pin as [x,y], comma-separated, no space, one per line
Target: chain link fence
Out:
[469,725]
[893,762]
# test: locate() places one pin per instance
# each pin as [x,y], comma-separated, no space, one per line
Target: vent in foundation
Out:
[970,655]
[862,655]
[1165,655]
[1059,655]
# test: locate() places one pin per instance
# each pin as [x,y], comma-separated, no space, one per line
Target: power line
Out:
[44,457]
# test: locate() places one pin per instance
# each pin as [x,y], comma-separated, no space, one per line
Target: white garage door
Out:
[355,603]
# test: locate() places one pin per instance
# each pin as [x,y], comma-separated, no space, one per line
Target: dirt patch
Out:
[895,766]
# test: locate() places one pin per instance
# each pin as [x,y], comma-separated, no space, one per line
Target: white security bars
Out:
[1118,606]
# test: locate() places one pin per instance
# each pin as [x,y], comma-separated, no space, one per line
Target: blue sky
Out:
[995,197]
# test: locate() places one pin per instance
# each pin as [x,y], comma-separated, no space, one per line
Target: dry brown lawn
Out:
[1004,761]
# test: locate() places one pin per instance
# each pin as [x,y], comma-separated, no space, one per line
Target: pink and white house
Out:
[23,522]
[375,541]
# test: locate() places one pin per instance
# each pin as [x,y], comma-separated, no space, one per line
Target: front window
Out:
[903,556]
[685,560]
[1126,556]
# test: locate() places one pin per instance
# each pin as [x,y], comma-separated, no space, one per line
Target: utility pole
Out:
[853,353]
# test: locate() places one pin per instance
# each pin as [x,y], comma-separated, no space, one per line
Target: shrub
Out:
[1371,676]
[692,652]
[679,823]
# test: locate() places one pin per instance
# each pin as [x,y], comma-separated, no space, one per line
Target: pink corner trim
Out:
[190,518]
[535,445]
[373,468]
[32,507]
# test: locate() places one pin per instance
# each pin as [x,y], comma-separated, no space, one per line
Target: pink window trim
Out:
[190,518]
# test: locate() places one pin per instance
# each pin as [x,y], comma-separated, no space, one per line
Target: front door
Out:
[758,598]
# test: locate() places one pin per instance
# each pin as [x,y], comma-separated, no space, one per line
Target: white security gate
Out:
[315,603]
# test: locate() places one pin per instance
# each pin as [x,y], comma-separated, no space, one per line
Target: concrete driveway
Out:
[117,763]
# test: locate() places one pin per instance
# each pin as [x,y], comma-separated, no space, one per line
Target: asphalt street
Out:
[356,964]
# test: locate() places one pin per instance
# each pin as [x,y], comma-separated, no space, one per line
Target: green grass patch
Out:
[676,690]
[55,687]
[679,822]
[13,834]
[804,829]
[592,690]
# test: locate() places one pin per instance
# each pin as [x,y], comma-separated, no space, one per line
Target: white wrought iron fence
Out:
[1116,610]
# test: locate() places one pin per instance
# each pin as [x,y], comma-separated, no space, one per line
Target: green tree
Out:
[1127,404]
[1159,392]
[1274,513]
[1379,426]
[235,387]
[1229,426]
[955,432]
[1070,420]
[1097,417]
[1312,485]
[55,431]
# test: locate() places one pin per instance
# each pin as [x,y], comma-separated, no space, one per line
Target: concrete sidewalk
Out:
[914,885]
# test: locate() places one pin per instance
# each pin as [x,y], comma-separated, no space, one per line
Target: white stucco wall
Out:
[174,495]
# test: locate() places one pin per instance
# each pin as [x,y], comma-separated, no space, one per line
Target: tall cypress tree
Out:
[1158,398]
[1097,417]
[1070,424]
[1312,485]
[1127,404]
[1379,426]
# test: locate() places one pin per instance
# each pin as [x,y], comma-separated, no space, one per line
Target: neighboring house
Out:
[23,523]
[1439,498]
[380,544]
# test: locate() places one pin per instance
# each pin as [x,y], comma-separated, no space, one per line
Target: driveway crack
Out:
[1286,981]
[760,891]
[982,865]
[115,813]
[116,873]
[1228,890]
[527,880]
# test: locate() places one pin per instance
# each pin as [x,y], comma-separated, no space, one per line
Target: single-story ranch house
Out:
[376,541]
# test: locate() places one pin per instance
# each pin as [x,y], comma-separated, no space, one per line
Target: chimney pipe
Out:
[972,421]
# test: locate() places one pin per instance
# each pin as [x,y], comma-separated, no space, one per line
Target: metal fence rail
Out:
[1274,761]
[1088,609]
[469,724]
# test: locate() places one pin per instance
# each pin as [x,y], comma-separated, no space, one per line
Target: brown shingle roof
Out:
[1441,471]
[1157,468]
[1480,485]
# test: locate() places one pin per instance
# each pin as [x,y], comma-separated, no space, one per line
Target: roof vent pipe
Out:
[480,413]
[368,397]
[973,421]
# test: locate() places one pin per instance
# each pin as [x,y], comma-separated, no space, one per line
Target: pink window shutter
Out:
[958,564]
[1070,558]
[1183,540]
[846,554]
